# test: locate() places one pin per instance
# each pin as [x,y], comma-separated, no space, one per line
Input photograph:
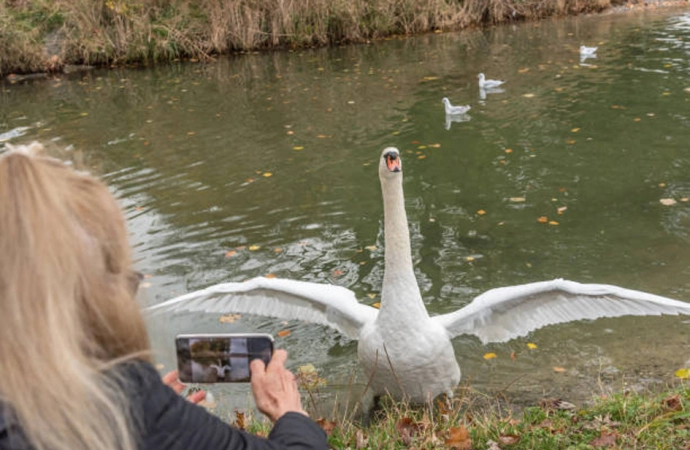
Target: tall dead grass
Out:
[43,34]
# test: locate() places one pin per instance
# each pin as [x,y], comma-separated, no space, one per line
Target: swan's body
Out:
[588,52]
[488,84]
[403,350]
[454,110]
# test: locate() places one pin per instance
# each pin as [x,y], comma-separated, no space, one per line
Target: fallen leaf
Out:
[240,420]
[570,141]
[542,219]
[508,439]
[606,439]
[267,174]
[270,275]
[421,156]
[667,201]
[371,248]
[230,253]
[672,403]
[229,318]
[337,273]
[408,429]
[435,145]
[481,212]
[523,70]
[376,305]
[283,333]
[531,346]
[558,369]
[517,199]
[490,355]
[371,295]
[575,130]
[562,209]
[683,374]
[458,438]
[326,425]
[253,248]
[469,258]
[278,250]
[553,222]
[530,95]
[509,150]
[298,147]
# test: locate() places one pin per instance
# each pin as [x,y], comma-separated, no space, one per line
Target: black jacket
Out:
[168,421]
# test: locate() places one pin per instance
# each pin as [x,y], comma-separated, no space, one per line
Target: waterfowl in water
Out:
[404,351]
[488,84]
[454,110]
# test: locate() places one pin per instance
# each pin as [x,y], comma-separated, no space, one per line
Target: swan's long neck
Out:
[400,297]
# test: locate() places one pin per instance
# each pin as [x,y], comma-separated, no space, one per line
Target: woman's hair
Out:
[67,308]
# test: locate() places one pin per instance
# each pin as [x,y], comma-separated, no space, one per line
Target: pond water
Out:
[267,164]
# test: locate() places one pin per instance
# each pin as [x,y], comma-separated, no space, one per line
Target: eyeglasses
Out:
[134,278]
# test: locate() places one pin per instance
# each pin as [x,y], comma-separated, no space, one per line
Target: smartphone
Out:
[220,358]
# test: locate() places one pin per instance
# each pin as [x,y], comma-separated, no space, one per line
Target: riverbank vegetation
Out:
[473,422]
[46,35]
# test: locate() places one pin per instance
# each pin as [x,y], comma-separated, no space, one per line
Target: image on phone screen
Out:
[220,358]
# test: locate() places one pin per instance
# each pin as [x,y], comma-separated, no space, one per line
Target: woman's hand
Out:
[172,380]
[274,387]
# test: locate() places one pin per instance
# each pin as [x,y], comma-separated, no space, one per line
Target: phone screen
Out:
[220,358]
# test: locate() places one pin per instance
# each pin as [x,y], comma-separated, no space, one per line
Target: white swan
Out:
[587,52]
[403,350]
[488,84]
[454,110]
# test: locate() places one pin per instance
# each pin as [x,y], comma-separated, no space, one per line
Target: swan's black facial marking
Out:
[393,161]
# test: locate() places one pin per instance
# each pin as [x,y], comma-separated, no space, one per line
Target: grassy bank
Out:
[44,35]
[623,421]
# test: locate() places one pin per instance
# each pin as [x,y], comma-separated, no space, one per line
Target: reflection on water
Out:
[266,164]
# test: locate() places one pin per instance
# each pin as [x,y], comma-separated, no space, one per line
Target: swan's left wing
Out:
[505,313]
[325,304]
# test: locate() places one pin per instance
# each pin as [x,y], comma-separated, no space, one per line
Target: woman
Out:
[74,352]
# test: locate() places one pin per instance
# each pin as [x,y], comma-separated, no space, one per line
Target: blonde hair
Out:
[67,308]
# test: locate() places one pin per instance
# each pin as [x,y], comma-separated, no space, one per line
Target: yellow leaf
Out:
[517,199]
[254,247]
[298,147]
[570,141]
[377,305]
[683,374]
[371,295]
[421,156]
[191,133]
[558,369]
[469,258]
[531,346]
[542,219]
[490,355]
[371,248]
[229,318]
[421,147]
[435,145]
[509,150]
[637,119]
[290,133]
[575,130]
[523,70]
[267,174]
[481,212]
[553,222]
[270,275]
[530,95]
[283,333]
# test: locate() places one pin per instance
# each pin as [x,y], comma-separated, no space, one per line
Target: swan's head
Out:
[390,162]
[446,101]
[481,77]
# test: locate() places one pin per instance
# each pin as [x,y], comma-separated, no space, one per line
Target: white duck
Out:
[404,351]
[454,110]
[488,84]
[588,52]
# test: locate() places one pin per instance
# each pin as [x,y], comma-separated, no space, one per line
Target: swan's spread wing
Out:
[325,304]
[505,313]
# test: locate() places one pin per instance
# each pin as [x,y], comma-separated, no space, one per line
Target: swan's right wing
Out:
[501,314]
[325,304]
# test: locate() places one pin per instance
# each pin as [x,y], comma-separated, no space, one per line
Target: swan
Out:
[488,84]
[405,352]
[454,110]
[588,52]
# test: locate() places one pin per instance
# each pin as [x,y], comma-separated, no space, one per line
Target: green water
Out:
[266,164]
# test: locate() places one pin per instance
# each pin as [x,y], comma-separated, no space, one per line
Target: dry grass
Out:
[45,34]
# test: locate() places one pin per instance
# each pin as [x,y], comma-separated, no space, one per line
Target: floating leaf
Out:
[283,333]
[469,258]
[267,174]
[191,133]
[421,156]
[376,305]
[531,346]
[371,248]
[298,147]
[290,132]
[558,369]
[517,199]
[575,130]
[523,70]
[637,119]
[667,201]
[270,275]
[570,141]
[490,355]
[481,212]
[562,209]
[435,145]
[509,150]
[553,222]
[529,95]
[542,219]
[278,250]
[230,253]
[371,295]
[253,248]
